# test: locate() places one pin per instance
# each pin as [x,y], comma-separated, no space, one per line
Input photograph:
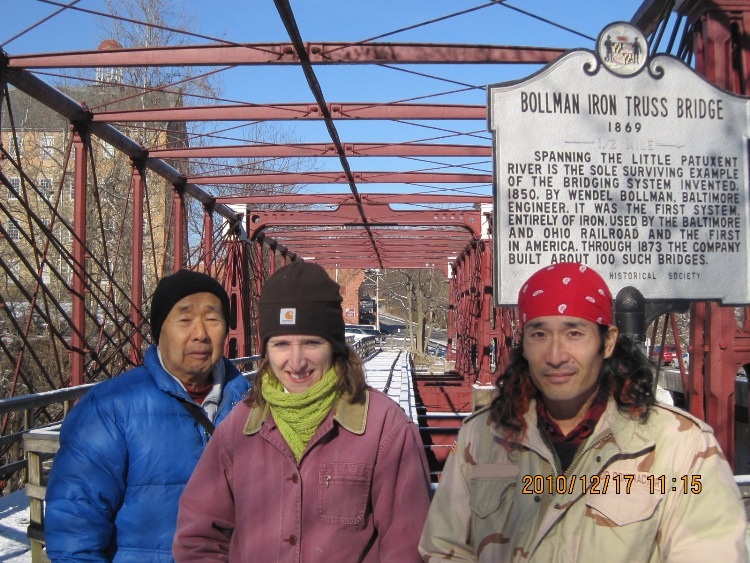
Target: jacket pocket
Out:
[490,484]
[625,507]
[343,492]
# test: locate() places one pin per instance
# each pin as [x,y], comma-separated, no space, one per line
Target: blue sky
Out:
[326,20]
[347,21]
[254,21]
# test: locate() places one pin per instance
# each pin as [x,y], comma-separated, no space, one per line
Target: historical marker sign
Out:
[637,168]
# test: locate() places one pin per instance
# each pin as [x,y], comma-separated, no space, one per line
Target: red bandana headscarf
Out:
[567,288]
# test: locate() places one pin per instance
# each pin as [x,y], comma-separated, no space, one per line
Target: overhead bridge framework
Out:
[244,238]
[328,229]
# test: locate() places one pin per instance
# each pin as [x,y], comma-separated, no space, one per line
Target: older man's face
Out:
[192,338]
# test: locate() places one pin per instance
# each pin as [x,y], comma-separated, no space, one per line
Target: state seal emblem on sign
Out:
[622,48]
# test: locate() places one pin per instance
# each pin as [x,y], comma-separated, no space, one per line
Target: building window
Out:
[108,151]
[12,148]
[16,183]
[109,75]
[104,283]
[64,235]
[65,272]
[13,233]
[46,146]
[45,188]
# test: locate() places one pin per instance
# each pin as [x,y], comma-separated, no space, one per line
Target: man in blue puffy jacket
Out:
[128,448]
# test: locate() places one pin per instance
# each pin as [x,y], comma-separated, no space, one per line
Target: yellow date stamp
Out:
[619,483]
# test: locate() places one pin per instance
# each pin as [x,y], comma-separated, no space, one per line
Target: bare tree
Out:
[153,23]
[420,296]
[156,23]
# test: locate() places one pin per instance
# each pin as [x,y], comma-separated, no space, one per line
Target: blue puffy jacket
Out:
[126,453]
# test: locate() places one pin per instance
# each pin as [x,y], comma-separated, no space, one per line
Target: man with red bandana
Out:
[575,460]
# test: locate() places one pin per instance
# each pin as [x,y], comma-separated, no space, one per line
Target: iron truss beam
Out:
[347,199]
[345,212]
[385,233]
[329,232]
[348,240]
[403,250]
[285,54]
[293,150]
[337,177]
[441,244]
[649,15]
[364,264]
[439,247]
[291,112]
[346,216]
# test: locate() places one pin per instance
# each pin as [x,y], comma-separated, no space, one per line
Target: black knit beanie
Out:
[171,289]
[301,298]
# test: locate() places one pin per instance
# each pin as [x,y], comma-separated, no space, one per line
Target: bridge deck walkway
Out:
[389,370]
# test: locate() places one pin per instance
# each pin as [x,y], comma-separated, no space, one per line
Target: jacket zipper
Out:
[581,451]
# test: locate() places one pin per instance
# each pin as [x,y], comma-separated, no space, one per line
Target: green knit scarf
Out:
[298,415]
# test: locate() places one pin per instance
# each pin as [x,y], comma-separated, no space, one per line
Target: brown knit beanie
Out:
[301,298]
[172,289]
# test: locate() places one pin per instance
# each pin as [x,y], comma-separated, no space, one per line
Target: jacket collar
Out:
[168,384]
[630,435]
[162,378]
[352,417]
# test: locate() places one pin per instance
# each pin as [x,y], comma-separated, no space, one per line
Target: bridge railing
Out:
[30,406]
[59,401]
[367,347]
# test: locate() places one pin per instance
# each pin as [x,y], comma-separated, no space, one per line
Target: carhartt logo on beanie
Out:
[288,317]
[172,289]
[301,298]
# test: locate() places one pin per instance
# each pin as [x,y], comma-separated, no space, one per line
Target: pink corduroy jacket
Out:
[360,492]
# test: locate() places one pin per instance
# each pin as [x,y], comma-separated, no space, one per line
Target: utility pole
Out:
[377,300]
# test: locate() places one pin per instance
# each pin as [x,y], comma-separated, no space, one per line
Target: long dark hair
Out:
[349,369]
[626,375]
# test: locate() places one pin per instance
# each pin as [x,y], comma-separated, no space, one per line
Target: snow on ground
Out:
[14,518]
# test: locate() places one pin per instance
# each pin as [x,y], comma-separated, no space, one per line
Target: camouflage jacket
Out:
[655,491]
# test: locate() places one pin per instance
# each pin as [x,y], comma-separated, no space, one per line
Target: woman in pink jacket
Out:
[315,466]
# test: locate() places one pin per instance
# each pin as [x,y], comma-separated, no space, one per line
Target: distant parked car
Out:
[362,332]
[372,331]
[364,326]
[357,333]
[686,359]
[437,350]
[668,355]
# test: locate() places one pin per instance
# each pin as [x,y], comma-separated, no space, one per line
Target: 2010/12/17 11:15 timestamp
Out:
[600,484]
[686,484]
